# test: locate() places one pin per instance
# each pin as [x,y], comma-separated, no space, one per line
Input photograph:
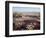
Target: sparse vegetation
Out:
[26,22]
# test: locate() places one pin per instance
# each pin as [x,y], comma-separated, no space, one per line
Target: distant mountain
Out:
[29,13]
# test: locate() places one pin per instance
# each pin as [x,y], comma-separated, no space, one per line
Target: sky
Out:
[26,9]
